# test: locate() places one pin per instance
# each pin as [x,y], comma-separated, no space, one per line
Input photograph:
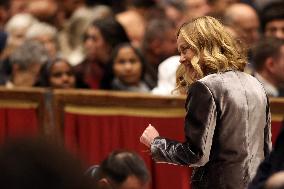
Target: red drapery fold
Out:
[18,122]
[275,130]
[94,137]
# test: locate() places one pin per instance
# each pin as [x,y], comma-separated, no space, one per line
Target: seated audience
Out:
[47,35]
[44,10]
[126,70]
[272,22]
[159,43]
[197,8]
[99,40]
[134,19]
[175,10]
[4,12]
[245,18]
[26,62]
[57,74]
[218,7]
[70,37]
[121,170]
[16,27]
[268,62]
[39,164]
[272,19]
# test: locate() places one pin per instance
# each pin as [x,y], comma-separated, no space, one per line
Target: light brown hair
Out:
[215,50]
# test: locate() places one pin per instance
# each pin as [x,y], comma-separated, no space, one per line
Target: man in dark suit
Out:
[272,164]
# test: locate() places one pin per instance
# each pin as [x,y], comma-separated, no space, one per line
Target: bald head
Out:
[239,12]
[276,181]
[244,17]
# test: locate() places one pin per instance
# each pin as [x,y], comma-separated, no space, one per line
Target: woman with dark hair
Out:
[57,74]
[99,40]
[126,70]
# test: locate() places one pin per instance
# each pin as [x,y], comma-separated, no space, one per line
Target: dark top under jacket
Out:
[272,164]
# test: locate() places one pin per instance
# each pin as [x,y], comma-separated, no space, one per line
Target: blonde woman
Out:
[227,124]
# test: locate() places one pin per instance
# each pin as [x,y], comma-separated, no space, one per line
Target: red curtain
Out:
[18,122]
[275,129]
[94,137]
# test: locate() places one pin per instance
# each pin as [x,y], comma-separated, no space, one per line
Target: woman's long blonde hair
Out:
[215,50]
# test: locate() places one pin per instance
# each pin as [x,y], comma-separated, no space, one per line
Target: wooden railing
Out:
[88,99]
[50,105]
[23,112]
[277,116]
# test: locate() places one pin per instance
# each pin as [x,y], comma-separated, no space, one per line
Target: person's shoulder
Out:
[216,77]
[215,80]
[212,79]
[229,80]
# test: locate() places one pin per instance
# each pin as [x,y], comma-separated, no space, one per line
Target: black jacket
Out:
[272,164]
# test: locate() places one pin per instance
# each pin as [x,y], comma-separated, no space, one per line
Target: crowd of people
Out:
[86,35]
[227,56]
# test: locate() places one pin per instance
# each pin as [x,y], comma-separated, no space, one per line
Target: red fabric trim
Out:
[18,123]
[94,137]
